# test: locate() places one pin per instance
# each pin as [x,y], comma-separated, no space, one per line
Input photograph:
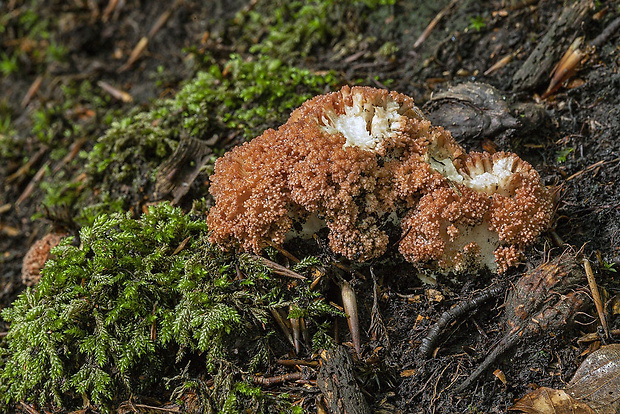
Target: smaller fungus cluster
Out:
[356,159]
[36,256]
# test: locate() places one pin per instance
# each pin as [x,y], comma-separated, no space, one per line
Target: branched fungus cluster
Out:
[353,160]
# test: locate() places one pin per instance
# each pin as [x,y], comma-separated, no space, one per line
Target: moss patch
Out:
[138,301]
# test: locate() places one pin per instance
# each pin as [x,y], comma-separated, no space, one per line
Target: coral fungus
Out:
[37,255]
[355,159]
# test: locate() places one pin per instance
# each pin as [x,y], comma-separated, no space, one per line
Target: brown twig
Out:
[283,251]
[350,270]
[28,408]
[9,230]
[433,23]
[278,268]
[596,296]
[317,279]
[31,185]
[23,170]
[135,54]
[591,167]
[150,407]
[74,150]
[181,245]
[108,10]
[163,18]
[283,325]
[32,90]
[115,92]
[278,379]
[502,62]
[295,362]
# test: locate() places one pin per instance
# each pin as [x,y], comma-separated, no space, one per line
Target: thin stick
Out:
[115,92]
[433,23]
[31,91]
[294,362]
[108,10]
[283,251]
[502,62]
[282,324]
[26,167]
[150,407]
[163,19]
[278,268]
[135,54]
[267,381]
[73,152]
[28,408]
[31,185]
[596,295]
[591,167]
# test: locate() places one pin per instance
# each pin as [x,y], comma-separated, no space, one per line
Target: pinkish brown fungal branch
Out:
[351,160]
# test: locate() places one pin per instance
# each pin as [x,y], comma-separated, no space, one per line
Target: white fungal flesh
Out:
[365,125]
[311,225]
[486,240]
[446,168]
[495,181]
[492,182]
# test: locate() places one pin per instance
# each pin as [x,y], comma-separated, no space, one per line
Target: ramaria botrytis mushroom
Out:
[351,160]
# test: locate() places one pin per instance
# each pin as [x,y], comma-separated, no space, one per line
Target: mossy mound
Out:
[140,300]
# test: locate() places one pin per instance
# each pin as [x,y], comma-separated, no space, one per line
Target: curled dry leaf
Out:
[550,401]
[597,381]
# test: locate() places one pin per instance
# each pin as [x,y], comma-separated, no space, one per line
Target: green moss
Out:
[290,30]
[33,44]
[7,142]
[246,95]
[137,301]
[561,155]
[477,23]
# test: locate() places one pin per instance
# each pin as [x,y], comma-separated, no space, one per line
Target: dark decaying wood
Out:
[337,383]
[177,173]
[538,66]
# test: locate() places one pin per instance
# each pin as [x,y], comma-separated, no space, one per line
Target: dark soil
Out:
[576,150]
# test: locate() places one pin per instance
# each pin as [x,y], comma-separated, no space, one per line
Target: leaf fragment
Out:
[550,401]
[597,380]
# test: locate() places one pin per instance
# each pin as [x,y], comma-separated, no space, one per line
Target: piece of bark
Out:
[538,66]
[177,173]
[470,111]
[338,385]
